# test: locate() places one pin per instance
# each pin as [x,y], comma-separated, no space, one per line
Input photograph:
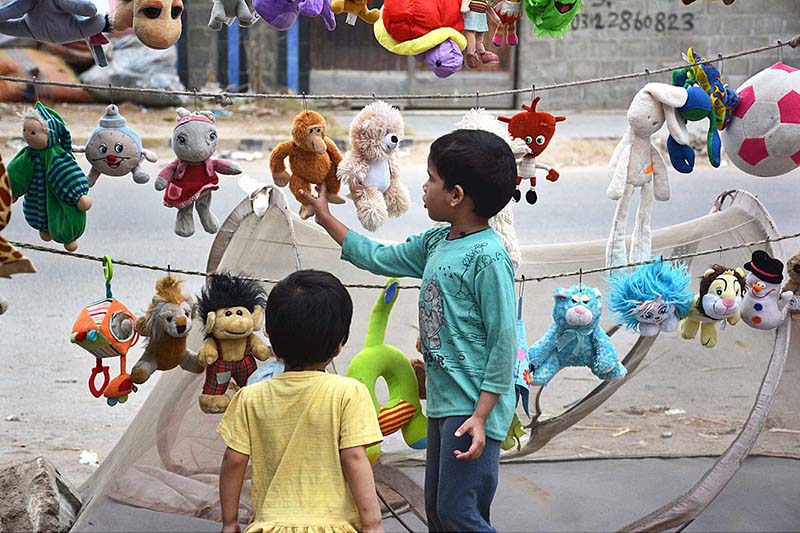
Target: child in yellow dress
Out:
[305,431]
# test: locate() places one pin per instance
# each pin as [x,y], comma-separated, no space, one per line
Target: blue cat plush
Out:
[575,338]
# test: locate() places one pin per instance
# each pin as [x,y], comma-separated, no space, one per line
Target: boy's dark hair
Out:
[308,315]
[482,163]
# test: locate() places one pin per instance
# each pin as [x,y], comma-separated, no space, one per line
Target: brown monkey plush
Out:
[157,23]
[313,158]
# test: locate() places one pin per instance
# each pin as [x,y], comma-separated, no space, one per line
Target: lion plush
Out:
[370,168]
[313,158]
[720,297]
[157,23]
[165,325]
[232,310]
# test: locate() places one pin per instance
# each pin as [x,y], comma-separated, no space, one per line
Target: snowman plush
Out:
[764,305]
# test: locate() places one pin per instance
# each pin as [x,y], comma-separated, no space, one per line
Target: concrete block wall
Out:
[611,37]
[201,45]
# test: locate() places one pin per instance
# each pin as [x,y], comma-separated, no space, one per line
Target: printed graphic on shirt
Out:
[431,315]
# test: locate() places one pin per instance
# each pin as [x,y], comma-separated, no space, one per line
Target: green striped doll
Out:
[46,174]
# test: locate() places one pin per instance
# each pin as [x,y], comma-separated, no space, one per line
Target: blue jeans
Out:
[458,494]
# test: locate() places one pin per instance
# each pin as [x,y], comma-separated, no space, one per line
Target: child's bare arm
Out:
[231,477]
[358,473]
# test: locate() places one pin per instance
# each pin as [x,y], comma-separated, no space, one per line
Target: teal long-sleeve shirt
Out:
[466,315]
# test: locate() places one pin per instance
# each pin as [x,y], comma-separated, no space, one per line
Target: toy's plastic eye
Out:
[540,140]
[181,140]
[663,310]
[152,12]
[576,298]
[585,299]
[228,313]
[648,316]
[239,312]
[212,136]
[118,148]
[169,319]
[176,12]
[719,292]
[103,149]
[528,139]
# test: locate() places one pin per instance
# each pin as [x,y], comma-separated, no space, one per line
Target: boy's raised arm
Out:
[405,259]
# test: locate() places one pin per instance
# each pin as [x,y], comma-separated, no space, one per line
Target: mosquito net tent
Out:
[648,452]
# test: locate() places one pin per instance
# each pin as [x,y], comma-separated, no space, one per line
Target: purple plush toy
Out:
[281,14]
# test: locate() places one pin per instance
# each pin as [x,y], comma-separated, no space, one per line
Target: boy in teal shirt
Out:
[466,319]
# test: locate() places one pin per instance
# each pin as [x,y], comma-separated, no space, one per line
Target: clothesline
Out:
[523,279]
[226,98]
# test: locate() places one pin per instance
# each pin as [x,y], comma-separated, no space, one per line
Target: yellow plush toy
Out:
[720,297]
[355,8]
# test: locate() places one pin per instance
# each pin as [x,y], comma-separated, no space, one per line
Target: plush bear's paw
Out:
[139,375]
[211,404]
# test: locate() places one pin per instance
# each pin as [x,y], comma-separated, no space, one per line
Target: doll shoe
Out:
[473,60]
[512,40]
[489,58]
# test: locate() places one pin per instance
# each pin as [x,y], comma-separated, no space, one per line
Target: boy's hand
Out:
[318,204]
[476,427]
[231,528]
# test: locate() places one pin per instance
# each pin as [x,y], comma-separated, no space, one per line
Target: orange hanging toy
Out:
[106,328]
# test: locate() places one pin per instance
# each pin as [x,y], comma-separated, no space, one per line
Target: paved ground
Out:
[44,376]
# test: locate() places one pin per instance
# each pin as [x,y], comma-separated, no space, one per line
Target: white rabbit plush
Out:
[636,163]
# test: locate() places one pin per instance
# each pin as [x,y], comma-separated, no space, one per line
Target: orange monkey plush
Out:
[313,158]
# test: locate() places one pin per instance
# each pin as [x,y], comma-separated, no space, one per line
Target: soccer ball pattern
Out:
[763,137]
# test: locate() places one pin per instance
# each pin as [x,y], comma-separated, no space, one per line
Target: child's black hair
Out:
[308,315]
[481,163]
[225,289]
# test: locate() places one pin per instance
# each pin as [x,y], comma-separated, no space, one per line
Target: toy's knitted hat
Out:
[765,267]
[58,132]
[113,120]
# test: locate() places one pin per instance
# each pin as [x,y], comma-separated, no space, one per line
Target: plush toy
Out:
[536,128]
[402,411]
[793,285]
[429,31]
[720,298]
[3,305]
[106,329]
[508,13]
[191,177]
[552,18]
[503,222]
[157,23]
[232,310]
[763,138]
[57,22]
[281,14]
[763,304]
[652,298]
[224,11]
[370,168]
[637,164]
[475,25]
[46,174]
[355,9]
[707,98]
[313,158]
[11,260]
[114,149]
[575,338]
[166,324]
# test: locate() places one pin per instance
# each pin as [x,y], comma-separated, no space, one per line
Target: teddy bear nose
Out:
[580,309]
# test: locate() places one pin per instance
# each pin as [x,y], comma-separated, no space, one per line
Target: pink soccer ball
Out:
[763,137]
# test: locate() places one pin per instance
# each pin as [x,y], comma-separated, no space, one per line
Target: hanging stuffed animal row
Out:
[652,298]
[46,174]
